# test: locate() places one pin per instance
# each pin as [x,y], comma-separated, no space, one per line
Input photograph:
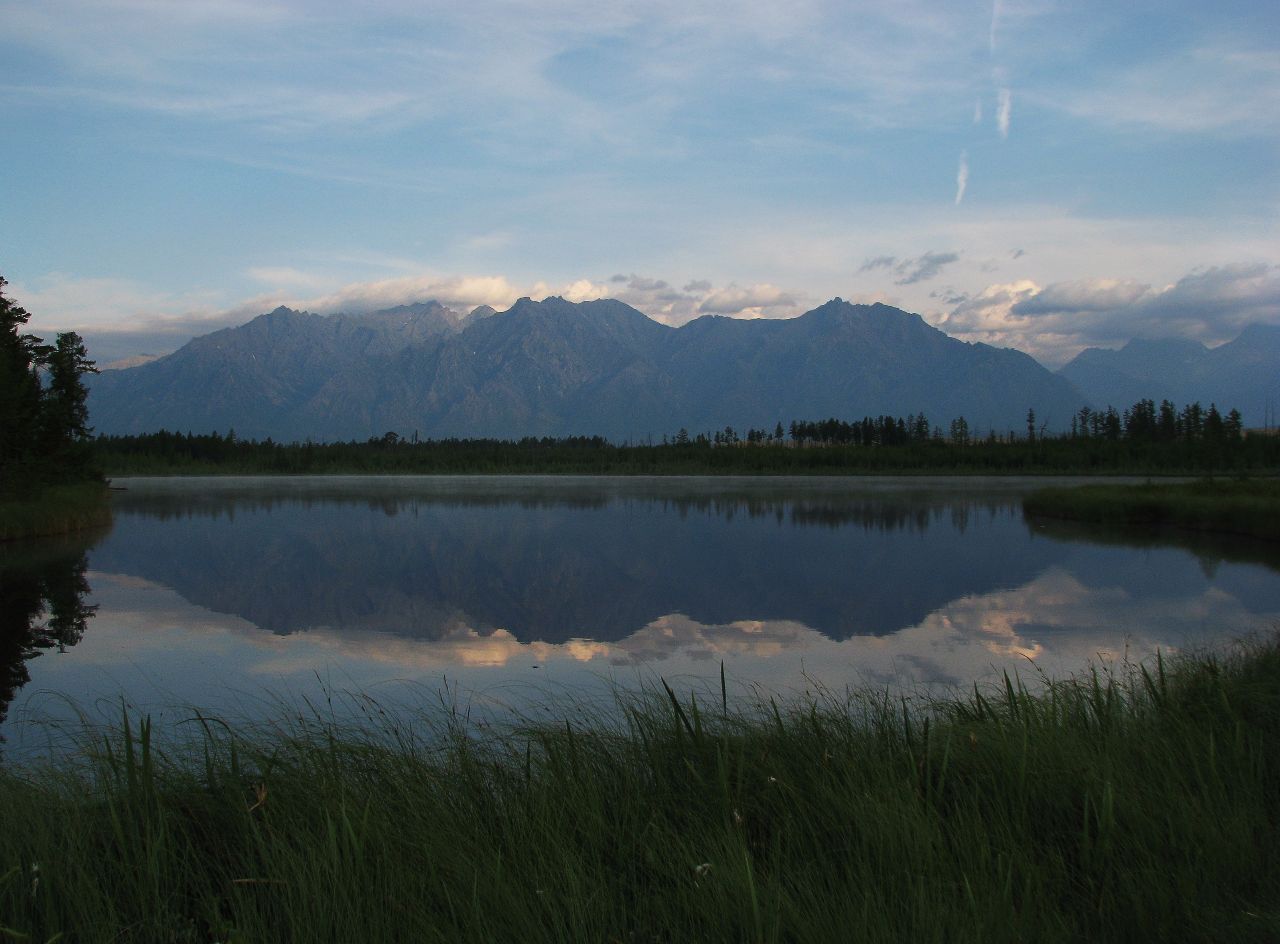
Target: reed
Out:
[1136,802]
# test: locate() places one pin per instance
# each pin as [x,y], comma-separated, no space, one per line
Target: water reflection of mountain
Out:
[555,564]
[42,591]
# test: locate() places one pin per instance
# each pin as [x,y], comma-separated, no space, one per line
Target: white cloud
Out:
[1051,318]
[60,302]
[460,292]
[1057,321]
[988,315]
[1004,110]
[583,290]
[1084,295]
[752,301]
[962,176]
[121,319]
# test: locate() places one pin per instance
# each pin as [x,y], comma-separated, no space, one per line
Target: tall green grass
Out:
[1140,804]
[1244,506]
[55,509]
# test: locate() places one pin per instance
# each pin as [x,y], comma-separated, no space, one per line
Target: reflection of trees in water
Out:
[41,607]
[553,563]
[1211,548]
[871,512]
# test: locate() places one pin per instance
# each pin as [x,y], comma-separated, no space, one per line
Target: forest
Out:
[1146,438]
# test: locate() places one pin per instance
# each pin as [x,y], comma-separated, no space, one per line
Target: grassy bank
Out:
[1142,806]
[1249,507]
[175,454]
[55,509]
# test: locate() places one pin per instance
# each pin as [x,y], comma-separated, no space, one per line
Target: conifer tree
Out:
[65,413]
[43,426]
[21,355]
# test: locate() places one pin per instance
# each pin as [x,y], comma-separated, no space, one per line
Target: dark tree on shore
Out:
[44,417]
[65,412]
[21,355]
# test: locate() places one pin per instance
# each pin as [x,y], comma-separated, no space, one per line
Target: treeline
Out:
[43,414]
[1139,440]
[1142,422]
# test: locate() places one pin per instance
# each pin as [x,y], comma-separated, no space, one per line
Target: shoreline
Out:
[1242,507]
[54,510]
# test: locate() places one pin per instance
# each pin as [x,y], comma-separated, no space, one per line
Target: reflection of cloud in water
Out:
[1061,622]
[664,639]
[676,633]
[1055,621]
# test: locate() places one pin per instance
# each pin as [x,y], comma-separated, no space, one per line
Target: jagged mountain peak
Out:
[839,308]
[413,308]
[556,367]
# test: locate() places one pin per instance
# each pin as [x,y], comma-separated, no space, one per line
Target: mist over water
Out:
[231,594]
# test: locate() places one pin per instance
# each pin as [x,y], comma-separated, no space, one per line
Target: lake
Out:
[239,595]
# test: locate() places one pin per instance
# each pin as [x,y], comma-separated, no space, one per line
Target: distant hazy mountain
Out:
[1244,373]
[559,368]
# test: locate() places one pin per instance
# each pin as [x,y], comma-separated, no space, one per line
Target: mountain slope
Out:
[256,377]
[558,368]
[1242,374]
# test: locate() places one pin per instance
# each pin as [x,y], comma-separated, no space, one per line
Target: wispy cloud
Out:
[925,267]
[913,270]
[1004,110]
[1217,88]
[572,68]
[962,176]
[287,277]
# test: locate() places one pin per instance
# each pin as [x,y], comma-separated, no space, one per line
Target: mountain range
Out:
[1243,373]
[555,368]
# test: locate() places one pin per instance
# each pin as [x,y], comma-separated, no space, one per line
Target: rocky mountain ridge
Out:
[558,368]
[1243,373]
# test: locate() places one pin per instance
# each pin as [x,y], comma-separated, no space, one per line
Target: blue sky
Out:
[1039,175]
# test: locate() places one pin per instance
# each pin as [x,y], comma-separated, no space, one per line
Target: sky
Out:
[1039,175]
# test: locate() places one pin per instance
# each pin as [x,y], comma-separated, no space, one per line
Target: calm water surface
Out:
[230,594]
